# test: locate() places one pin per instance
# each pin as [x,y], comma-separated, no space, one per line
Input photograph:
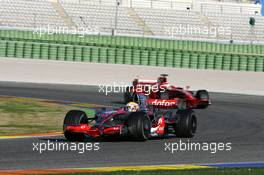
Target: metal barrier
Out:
[131,42]
[160,57]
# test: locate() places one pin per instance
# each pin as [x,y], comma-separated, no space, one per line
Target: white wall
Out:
[62,72]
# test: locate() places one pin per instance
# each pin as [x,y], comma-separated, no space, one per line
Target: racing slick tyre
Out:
[186,125]
[128,96]
[74,118]
[139,126]
[202,95]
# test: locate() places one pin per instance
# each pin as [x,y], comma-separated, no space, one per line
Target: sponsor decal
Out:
[163,102]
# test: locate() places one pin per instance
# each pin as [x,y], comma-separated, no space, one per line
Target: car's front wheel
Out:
[139,126]
[74,118]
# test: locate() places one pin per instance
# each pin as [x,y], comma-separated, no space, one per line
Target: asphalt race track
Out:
[238,119]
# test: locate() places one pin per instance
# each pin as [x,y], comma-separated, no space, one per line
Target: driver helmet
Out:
[132,107]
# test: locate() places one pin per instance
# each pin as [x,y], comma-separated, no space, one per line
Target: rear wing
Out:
[145,82]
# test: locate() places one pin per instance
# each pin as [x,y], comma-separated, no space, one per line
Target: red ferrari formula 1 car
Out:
[169,112]
[160,89]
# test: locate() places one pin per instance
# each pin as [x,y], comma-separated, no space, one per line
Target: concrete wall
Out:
[59,72]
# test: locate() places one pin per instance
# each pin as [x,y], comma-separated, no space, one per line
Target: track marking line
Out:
[55,171]
[236,164]
[20,136]
[104,169]
[146,168]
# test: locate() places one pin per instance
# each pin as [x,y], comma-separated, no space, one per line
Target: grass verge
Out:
[209,171]
[27,116]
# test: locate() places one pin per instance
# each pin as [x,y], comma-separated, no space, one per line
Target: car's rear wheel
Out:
[203,95]
[186,125]
[74,118]
[139,126]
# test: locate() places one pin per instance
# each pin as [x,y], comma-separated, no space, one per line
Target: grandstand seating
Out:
[162,4]
[101,18]
[228,1]
[241,30]
[230,8]
[159,18]
[164,22]
[28,14]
